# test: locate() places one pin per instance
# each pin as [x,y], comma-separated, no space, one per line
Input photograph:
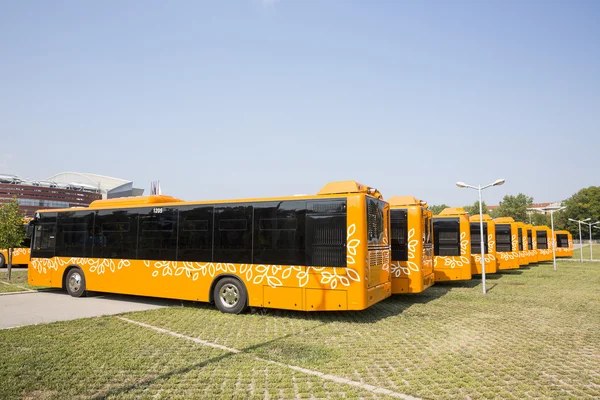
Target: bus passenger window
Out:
[446,233]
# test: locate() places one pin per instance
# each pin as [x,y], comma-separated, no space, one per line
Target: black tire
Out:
[2,261]
[230,296]
[75,283]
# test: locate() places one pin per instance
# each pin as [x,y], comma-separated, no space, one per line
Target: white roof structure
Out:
[104,184]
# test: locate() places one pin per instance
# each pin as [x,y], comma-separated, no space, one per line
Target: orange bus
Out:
[21,254]
[451,249]
[489,242]
[507,243]
[325,252]
[564,244]
[531,244]
[412,245]
[522,237]
[543,237]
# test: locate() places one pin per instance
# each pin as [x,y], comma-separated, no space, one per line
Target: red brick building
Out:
[57,193]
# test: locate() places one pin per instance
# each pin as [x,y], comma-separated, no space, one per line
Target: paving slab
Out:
[30,308]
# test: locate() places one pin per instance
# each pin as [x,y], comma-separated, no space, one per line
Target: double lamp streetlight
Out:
[580,241]
[479,189]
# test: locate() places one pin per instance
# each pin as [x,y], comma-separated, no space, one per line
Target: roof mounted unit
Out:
[345,187]
[475,218]
[134,201]
[506,220]
[405,201]
[453,211]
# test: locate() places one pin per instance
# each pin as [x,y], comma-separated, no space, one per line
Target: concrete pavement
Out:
[29,308]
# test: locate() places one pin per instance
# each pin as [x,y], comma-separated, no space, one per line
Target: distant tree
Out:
[438,209]
[474,209]
[539,219]
[11,229]
[514,206]
[583,204]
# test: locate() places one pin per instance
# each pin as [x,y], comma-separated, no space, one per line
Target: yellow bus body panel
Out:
[523,254]
[509,259]
[20,256]
[455,268]
[564,251]
[544,254]
[533,253]
[416,274]
[491,263]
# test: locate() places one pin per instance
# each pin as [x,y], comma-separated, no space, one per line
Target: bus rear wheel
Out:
[2,260]
[75,282]
[230,296]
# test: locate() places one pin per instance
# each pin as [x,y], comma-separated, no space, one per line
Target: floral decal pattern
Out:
[455,261]
[397,269]
[564,249]
[490,256]
[272,275]
[95,265]
[513,255]
[20,251]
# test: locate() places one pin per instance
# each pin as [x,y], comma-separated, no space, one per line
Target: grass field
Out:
[17,283]
[536,334]
[586,251]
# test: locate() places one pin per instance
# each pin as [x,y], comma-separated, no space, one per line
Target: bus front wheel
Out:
[2,261]
[75,282]
[230,296]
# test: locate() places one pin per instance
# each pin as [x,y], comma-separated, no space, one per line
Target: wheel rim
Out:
[229,295]
[74,282]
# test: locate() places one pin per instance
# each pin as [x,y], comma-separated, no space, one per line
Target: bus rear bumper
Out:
[377,293]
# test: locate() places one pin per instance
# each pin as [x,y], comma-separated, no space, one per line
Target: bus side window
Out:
[279,233]
[44,239]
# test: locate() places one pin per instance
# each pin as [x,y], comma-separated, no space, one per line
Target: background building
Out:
[64,190]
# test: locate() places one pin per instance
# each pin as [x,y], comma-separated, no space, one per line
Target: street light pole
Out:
[597,227]
[482,248]
[479,188]
[580,241]
[553,242]
[590,226]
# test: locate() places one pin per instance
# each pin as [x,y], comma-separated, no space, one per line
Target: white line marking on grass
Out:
[179,335]
[19,286]
[333,378]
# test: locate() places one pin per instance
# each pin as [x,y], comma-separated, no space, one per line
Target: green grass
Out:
[17,282]
[586,251]
[535,334]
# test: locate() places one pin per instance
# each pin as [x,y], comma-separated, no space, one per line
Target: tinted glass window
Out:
[326,233]
[503,238]
[542,240]
[375,221]
[115,233]
[28,230]
[427,228]
[399,234]
[44,236]
[446,237]
[157,234]
[529,239]
[476,238]
[562,240]
[75,234]
[280,233]
[233,233]
[195,233]
[520,230]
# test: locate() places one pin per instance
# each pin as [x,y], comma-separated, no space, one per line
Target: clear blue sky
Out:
[228,99]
